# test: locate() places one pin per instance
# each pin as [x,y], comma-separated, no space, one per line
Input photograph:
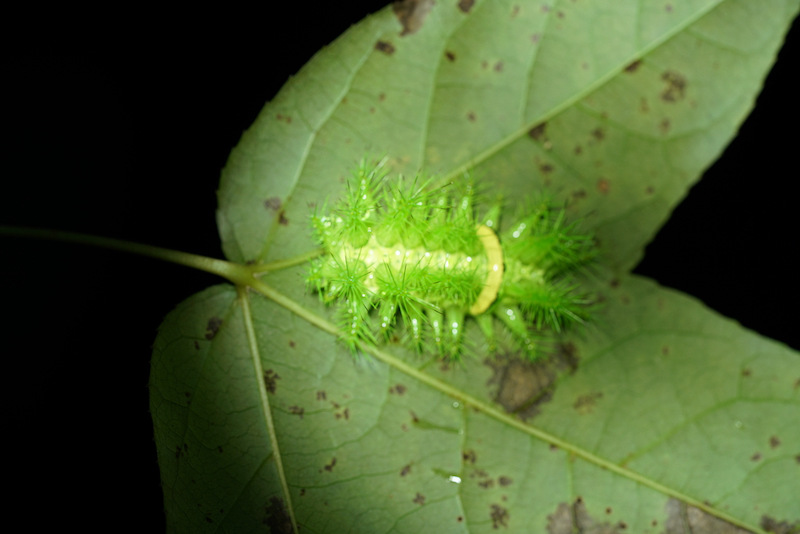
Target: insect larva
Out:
[403,258]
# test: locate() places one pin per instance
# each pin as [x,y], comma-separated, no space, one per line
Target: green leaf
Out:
[264,419]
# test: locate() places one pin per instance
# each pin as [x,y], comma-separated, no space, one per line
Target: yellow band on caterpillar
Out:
[494,256]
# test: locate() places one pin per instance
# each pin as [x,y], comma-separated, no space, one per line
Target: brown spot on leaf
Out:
[756,457]
[608,510]
[212,327]
[774,442]
[664,350]
[664,126]
[321,395]
[499,516]
[633,66]
[292,344]
[451,56]
[465,5]
[398,389]
[273,203]
[282,220]
[746,372]
[486,484]
[411,14]
[675,89]
[585,403]
[329,467]
[297,410]
[419,499]
[460,519]
[271,380]
[775,526]
[196,345]
[504,481]
[471,117]
[603,186]
[406,470]
[385,46]
[469,456]
[498,67]
[276,517]
[599,134]
[539,132]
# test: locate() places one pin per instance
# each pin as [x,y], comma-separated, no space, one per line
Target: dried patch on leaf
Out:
[465,5]
[585,404]
[776,526]
[675,90]
[634,66]
[276,517]
[411,14]
[499,516]
[385,46]
[273,203]
[271,380]
[682,518]
[571,518]
[213,327]
[524,386]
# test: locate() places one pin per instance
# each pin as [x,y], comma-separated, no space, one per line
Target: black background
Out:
[119,126]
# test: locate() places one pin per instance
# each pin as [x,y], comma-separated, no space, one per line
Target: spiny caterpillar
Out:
[404,250]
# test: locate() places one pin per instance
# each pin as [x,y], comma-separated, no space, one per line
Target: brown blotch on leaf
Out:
[682,518]
[486,484]
[329,466]
[524,386]
[451,56]
[505,481]
[469,456]
[321,395]
[411,14]
[271,380]
[775,526]
[282,220]
[385,46]
[273,203]
[568,519]
[599,134]
[276,516]
[406,470]
[297,410]
[465,5]
[675,89]
[499,516]
[585,404]
[212,327]
[603,186]
[419,499]
[284,118]
[633,66]
[774,442]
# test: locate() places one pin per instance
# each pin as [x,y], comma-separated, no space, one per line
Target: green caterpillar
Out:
[397,249]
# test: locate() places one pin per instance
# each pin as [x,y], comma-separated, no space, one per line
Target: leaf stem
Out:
[289,262]
[240,275]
